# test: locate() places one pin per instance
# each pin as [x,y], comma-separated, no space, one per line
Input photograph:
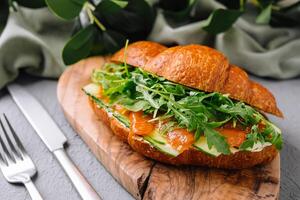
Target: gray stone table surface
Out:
[54,184]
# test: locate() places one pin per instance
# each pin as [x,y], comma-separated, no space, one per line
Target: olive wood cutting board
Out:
[148,179]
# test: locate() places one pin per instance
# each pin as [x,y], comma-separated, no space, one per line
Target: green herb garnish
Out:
[197,111]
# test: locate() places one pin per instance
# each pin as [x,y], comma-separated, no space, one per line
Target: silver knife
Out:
[52,136]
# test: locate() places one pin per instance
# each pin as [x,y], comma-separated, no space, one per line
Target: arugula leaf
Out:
[252,138]
[148,97]
[273,135]
[270,133]
[197,111]
[136,106]
[167,127]
[216,140]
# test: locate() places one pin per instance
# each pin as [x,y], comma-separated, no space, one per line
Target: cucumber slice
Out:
[201,145]
[156,136]
[92,91]
[160,143]
[156,139]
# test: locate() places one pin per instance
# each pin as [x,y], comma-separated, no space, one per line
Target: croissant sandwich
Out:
[185,105]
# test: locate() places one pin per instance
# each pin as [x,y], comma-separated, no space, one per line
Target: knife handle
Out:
[85,190]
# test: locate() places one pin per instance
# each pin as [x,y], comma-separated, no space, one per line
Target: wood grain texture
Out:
[128,168]
[147,179]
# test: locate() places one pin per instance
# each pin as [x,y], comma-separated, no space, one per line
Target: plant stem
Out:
[125,55]
[12,4]
[99,24]
[89,8]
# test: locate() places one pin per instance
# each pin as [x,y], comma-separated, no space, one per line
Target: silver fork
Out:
[15,164]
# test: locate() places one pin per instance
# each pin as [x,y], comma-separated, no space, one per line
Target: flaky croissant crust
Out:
[199,67]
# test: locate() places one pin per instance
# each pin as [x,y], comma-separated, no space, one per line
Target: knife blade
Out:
[52,136]
[37,116]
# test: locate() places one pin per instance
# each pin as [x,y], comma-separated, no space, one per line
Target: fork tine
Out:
[2,160]
[12,138]
[3,150]
[7,141]
[19,145]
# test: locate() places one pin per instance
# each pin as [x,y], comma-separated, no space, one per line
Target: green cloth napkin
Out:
[34,38]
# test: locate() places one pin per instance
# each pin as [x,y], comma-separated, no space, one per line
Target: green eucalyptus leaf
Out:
[286,16]
[80,45]
[231,4]
[265,16]
[113,41]
[32,3]
[280,19]
[173,5]
[120,3]
[66,9]
[290,7]
[4,10]
[135,20]
[98,47]
[221,20]
[107,7]
[179,17]
[107,42]
[265,3]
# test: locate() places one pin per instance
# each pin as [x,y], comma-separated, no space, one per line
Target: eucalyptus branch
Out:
[109,17]
[12,4]
[90,8]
